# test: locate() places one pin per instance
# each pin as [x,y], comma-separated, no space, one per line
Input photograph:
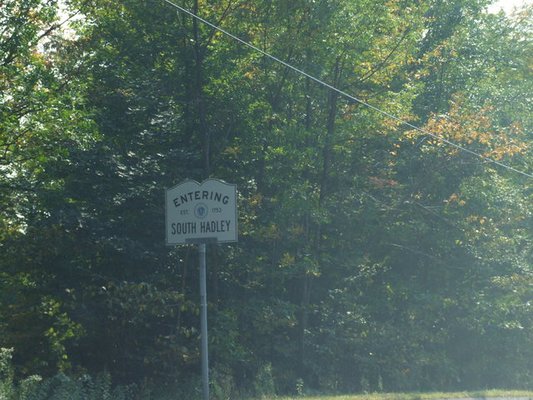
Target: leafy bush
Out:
[59,387]
[6,374]
[264,382]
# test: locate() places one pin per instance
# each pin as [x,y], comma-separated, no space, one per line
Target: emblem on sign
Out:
[201,210]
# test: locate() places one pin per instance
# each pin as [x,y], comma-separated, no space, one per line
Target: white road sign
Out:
[196,211]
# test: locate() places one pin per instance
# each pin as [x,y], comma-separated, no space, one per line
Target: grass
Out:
[417,396]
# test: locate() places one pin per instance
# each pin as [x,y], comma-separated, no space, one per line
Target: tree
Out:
[370,257]
[42,120]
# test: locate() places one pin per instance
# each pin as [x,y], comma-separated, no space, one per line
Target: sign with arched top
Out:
[201,211]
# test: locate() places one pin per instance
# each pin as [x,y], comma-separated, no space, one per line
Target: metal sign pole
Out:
[203,321]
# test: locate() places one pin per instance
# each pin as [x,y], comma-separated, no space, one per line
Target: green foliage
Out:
[264,385]
[60,386]
[371,258]
[6,373]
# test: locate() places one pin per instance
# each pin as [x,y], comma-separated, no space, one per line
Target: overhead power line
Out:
[347,95]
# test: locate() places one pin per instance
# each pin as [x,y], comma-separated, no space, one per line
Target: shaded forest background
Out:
[370,256]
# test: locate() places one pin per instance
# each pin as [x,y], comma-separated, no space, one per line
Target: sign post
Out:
[203,321]
[201,213]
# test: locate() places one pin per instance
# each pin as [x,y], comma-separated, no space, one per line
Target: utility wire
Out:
[347,95]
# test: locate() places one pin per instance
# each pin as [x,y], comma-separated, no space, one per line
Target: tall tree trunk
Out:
[199,95]
[327,156]
[307,281]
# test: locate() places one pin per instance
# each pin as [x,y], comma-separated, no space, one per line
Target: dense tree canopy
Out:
[371,256]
